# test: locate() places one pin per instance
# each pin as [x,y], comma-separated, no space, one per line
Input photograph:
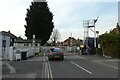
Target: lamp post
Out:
[95,20]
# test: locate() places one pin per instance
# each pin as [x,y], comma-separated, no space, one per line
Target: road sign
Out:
[18,51]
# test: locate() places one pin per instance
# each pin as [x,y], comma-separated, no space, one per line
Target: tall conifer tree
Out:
[39,21]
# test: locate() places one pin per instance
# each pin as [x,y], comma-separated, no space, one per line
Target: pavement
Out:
[30,68]
[110,62]
[98,57]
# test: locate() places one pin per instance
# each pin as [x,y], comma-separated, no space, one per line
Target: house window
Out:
[27,44]
[11,42]
[4,43]
[24,44]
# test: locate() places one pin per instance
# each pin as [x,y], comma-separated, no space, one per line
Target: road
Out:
[73,66]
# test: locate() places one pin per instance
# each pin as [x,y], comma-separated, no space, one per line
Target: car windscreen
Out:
[55,50]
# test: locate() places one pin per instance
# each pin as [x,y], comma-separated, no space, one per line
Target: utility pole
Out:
[95,20]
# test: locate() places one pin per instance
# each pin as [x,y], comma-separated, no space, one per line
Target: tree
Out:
[39,22]
[110,43]
[55,36]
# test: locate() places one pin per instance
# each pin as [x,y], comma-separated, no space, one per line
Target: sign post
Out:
[18,55]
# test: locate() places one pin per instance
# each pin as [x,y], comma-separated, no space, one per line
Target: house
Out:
[27,43]
[28,47]
[117,29]
[6,41]
[11,44]
[71,41]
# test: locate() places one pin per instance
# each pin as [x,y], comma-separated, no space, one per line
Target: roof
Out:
[70,38]
[8,34]
[27,41]
[117,29]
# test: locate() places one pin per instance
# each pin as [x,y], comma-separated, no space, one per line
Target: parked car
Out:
[56,53]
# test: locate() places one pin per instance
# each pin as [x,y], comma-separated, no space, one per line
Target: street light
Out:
[95,20]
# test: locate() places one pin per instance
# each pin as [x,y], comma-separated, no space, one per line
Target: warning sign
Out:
[18,51]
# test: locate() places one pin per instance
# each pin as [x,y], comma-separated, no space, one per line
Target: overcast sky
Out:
[68,16]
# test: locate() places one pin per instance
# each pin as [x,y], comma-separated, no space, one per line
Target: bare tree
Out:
[55,36]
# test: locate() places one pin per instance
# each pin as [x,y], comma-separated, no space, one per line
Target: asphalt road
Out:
[73,66]
[79,67]
[87,66]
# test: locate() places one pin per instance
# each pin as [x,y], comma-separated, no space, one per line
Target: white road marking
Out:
[12,69]
[42,76]
[47,72]
[113,60]
[47,69]
[83,58]
[81,67]
[51,75]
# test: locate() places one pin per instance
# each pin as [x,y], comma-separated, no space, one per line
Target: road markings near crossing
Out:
[50,71]
[46,72]
[81,67]
[12,69]
[83,58]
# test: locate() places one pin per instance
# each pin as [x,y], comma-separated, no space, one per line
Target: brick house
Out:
[71,41]
[117,29]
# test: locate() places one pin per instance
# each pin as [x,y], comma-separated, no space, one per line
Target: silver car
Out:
[55,53]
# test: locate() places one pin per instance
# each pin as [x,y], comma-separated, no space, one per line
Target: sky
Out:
[68,16]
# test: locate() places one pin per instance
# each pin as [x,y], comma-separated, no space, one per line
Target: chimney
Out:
[117,26]
[9,31]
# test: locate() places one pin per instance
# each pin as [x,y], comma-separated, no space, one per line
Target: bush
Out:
[110,43]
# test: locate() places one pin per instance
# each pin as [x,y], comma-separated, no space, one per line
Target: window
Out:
[4,43]
[26,44]
[55,50]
